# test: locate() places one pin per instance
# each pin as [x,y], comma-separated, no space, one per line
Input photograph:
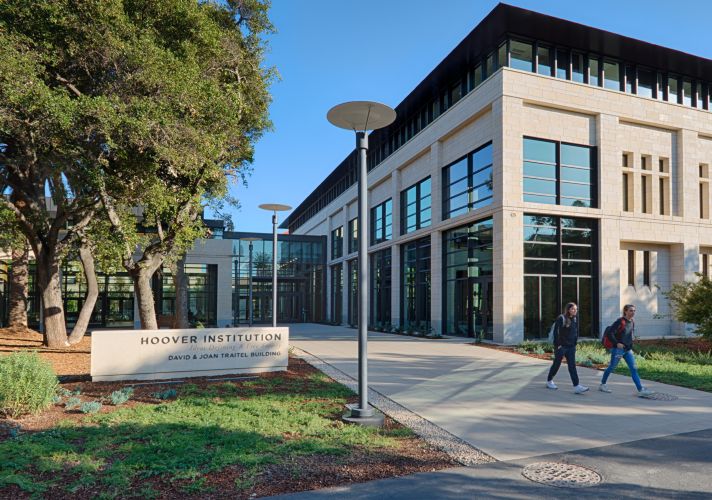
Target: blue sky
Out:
[331,51]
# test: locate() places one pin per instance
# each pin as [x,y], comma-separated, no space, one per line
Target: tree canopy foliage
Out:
[124,110]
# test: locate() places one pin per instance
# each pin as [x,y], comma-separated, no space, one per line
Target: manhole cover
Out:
[561,475]
[661,396]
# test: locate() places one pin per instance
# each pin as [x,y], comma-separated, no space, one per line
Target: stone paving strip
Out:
[459,450]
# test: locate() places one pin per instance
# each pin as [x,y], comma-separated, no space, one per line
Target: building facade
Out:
[541,162]
[219,275]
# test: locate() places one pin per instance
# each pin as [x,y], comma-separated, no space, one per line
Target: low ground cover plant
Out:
[27,384]
[225,436]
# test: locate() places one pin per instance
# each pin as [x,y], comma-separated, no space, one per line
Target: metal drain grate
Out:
[561,475]
[661,396]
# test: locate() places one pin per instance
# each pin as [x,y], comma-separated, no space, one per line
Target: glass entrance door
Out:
[481,308]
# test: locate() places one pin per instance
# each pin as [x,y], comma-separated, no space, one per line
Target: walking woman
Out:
[621,337]
[565,340]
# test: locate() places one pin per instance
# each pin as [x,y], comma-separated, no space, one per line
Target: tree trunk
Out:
[18,279]
[55,330]
[142,275]
[80,327]
[180,282]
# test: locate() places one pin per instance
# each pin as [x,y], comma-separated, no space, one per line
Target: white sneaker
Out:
[551,385]
[604,388]
[645,392]
[580,389]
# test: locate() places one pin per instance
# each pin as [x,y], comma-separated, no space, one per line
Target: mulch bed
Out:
[299,473]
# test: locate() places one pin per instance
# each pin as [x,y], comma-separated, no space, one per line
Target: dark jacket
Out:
[622,333]
[563,335]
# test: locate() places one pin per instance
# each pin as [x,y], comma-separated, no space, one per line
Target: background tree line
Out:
[120,120]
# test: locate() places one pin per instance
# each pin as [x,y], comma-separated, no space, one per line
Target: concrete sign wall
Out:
[161,354]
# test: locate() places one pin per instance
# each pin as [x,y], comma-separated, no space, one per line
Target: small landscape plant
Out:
[28,384]
[121,396]
[72,403]
[167,394]
[90,407]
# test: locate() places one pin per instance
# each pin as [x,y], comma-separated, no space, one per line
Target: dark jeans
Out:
[570,354]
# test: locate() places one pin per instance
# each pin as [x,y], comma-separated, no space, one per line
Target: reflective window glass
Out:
[611,75]
[687,92]
[646,82]
[544,64]
[672,85]
[594,71]
[577,67]
[521,55]
[562,64]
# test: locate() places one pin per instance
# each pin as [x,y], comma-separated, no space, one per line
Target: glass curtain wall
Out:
[467,256]
[559,267]
[301,280]
[415,284]
[380,277]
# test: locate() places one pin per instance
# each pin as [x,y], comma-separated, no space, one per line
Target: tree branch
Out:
[69,85]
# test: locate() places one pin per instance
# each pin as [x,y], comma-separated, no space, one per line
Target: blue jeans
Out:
[570,354]
[616,355]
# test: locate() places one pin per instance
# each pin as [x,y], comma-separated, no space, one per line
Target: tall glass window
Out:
[558,268]
[687,92]
[467,253]
[559,173]
[562,64]
[646,82]
[521,55]
[467,183]
[672,88]
[594,71]
[544,63]
[578,67]
[382,222]
[337,292]
[415,284]
[611,75]
[380,277]
[353,235]
[337,242]
[416,210]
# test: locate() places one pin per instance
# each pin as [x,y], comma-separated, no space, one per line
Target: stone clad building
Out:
[540,162]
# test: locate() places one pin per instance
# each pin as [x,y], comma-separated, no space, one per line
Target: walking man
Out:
[621,337]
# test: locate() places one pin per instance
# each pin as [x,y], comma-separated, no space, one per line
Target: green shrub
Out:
[27,384]
[90,407]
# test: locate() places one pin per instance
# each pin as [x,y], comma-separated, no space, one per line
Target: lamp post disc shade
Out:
[275,207]
[361,115]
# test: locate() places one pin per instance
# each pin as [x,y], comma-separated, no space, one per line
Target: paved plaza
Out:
[497,402]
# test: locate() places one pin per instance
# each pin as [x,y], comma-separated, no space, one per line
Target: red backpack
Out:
[612,329]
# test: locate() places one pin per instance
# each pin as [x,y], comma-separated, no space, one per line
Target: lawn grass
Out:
[249,426]
[673,364]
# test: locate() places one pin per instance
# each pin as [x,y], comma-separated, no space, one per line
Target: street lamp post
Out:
[274,207]
[249,272]
[361,116]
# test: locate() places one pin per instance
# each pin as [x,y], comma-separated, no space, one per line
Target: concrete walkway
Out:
[497,401]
